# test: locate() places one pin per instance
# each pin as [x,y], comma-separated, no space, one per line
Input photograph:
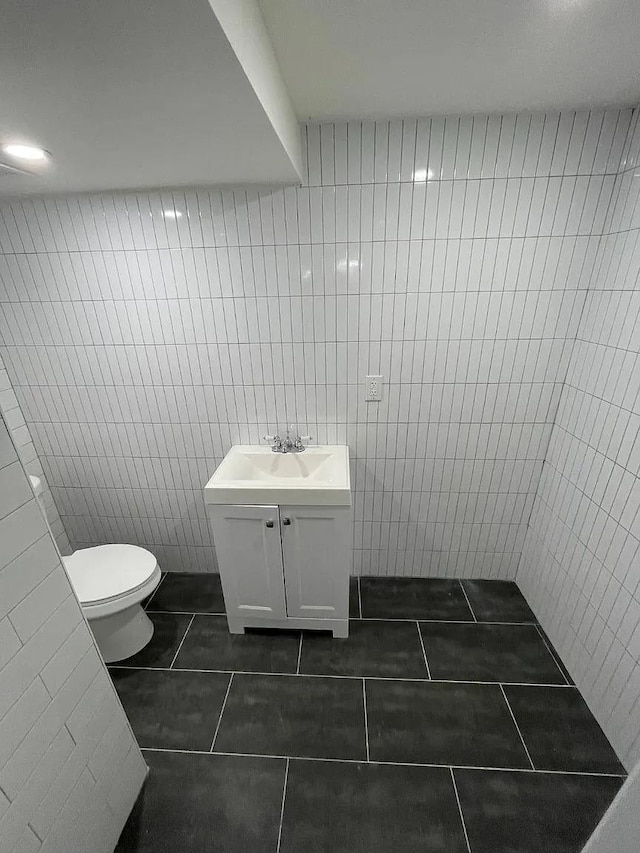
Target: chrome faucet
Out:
[277,443]
[287,444]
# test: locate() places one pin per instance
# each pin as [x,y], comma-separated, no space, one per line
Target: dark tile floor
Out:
[445,722]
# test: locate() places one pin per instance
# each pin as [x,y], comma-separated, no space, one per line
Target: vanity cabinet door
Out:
[316,546]
[249,552]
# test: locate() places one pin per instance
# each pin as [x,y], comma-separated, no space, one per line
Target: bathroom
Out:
[319,427]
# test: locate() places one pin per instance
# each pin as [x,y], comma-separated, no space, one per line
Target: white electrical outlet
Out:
[373,388]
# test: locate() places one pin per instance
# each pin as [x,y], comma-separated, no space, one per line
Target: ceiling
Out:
[131,94]
[378,58]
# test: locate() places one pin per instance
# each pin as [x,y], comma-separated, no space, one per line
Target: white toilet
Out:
[110,582]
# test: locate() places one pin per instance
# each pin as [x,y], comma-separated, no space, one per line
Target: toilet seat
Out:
[109,578]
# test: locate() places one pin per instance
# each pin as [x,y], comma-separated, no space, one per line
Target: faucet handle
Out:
[276,442]
[294,431]
[299,442]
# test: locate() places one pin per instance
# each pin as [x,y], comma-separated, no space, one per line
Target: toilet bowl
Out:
[110,582]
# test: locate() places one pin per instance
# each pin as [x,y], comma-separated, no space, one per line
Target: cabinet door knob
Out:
[286,521]
[268,523]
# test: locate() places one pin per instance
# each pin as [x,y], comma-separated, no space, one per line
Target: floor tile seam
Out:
[460,812]
[184,636]
[466,598]
[363,618]
[553,654]
[187,612]
[359,599]
[443,621]
[222,707]
[515,722]
[160,582]
[366,718]
[284,794]
[424,653]
[491,769]
[299,653]
[385,678]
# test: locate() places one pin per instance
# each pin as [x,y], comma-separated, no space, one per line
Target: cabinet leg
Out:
[342,631]
[235,626]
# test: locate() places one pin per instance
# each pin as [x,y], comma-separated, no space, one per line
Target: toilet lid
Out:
[108,571]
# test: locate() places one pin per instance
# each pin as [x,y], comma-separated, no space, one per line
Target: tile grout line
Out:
[275,757]
[464,826]
[299,654]
[517,727]
[359,597]
[366,719]
[553,655]
[184,636]
[371,618]
[188,612]
[223,706]
[464,592]
[346,677]
[284,794]
[151,597]
[424,653]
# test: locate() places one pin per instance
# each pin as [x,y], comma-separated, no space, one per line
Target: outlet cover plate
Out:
[373,388]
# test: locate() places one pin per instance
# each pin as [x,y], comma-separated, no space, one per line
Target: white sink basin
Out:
[251,474]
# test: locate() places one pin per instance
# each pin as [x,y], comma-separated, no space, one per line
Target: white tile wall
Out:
[70,768]
[618,829]
[451,256]
[19,431]
[581,562]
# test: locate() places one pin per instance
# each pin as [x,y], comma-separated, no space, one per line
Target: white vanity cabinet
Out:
[284,566]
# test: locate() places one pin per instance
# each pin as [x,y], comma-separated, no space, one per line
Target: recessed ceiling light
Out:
[172,214]
[25,152]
